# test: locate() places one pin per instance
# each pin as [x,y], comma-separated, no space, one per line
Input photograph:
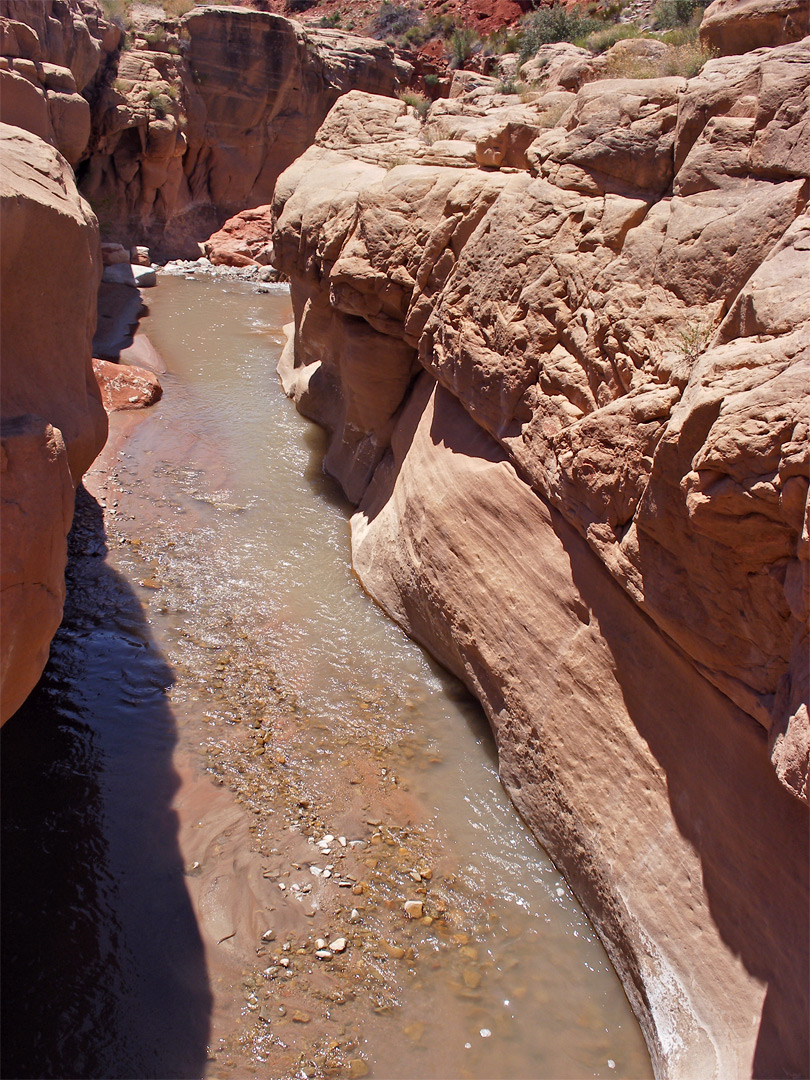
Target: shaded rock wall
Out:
[561,348]
[179,124]
[203,115]
[51,52]
[53,422]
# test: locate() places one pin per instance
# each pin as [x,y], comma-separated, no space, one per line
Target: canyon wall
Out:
[561,346]
[201,115]
[177,124]
[53,422]
[170,129]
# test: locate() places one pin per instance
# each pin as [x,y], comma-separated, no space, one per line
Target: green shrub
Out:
[553,24]
[431,79]
[510,86]
[416,101]
[118,11]
[156,36]
[393,20]
[600,41]
[415,36]
[462,46]
[669,14]
[330,22]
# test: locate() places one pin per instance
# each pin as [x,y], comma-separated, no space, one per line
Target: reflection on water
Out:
[102,965]
[318,712]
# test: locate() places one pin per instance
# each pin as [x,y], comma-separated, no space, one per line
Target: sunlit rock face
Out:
[562,350]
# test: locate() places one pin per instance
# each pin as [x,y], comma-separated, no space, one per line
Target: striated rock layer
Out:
[180,123]
[53,422]
[562,350]
[203,115]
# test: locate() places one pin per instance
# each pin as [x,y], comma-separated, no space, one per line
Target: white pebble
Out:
[485,1033]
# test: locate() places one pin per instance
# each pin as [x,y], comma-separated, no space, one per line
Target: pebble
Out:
[357,1068]
[472,979]
[413,909]
[323,954]
[301,1017]
[338,945]
[355,916]
[269,935]
[320,943]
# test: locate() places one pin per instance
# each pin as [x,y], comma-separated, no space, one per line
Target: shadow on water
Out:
[97,926]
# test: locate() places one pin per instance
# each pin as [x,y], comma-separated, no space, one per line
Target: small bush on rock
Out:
[462,45]
[553,24]
[393,20]
[671,13]
[416,101]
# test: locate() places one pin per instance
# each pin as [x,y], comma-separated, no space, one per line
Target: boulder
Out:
[738,26]
[244,240]
[50,273]
[124,386]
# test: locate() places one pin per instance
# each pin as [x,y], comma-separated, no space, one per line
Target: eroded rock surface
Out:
[51,51]
[53,420]
[561,349]
[203,115]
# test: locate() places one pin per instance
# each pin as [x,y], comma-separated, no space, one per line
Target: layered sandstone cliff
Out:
[562,350]
[202,116]
[53,421]
[53,56]
[179,123]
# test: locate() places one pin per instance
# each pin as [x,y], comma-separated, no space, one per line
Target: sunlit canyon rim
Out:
[560,345]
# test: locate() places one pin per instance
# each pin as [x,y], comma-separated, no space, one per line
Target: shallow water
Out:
[223,630]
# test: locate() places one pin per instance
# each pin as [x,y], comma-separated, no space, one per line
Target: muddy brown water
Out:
[236,772]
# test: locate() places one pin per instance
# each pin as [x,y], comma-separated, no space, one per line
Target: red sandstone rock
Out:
[36,492]
[53,50]
[124,386]
[738,26]
[189,138]
[599,517]
[52,417]
[244,240]
[50,273]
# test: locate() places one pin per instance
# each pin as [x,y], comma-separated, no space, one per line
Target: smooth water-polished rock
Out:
[583,484]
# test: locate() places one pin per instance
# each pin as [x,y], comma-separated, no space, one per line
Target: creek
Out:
[236,771]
